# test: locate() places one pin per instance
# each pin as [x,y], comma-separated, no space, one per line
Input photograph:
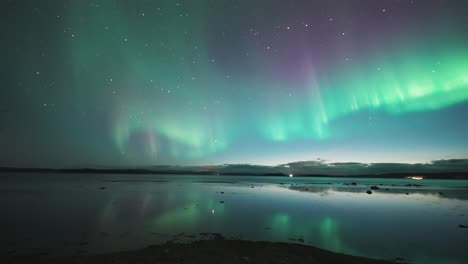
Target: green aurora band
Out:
[180,124]
[421,84]
[395,86]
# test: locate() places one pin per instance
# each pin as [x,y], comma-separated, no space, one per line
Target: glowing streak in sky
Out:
[402,86]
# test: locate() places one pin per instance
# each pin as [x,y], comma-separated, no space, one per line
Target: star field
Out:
[129,83]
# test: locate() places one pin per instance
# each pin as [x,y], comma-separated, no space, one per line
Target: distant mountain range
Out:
[439,169]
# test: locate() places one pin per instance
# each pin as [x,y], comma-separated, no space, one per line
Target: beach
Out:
[210,251]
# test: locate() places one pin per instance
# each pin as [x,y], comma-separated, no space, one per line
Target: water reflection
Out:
[329,231]
[280,225]
[460,193]
[336,215]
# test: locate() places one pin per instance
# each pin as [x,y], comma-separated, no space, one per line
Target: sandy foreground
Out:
[209,251]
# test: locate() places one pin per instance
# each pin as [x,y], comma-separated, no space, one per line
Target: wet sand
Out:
[213,251]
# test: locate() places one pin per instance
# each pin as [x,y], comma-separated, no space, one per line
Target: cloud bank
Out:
[322,167]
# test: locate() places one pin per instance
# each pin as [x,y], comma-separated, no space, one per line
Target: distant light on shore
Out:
[290,175]
[415,177]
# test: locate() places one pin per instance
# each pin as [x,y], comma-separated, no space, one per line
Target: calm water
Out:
[71,213]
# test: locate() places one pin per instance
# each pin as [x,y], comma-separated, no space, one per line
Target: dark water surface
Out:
[83,213]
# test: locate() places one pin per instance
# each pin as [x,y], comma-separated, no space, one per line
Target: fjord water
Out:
[91,213]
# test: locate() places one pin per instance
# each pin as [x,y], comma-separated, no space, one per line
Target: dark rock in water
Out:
[413,185]
[407,193]
[387,189]
[369,192]
[221,201]
[222,192]
[297,239]
[441,193]
[252,187]
[462,226]
[103,188]
[374,187]
[353,183]
[307,189]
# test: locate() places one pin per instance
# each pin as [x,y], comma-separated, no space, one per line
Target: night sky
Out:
[130,83]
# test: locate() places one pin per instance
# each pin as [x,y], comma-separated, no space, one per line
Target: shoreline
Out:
[214,250]
[449,175]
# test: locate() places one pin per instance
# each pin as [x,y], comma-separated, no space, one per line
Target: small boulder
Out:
[369,192]
[374,187]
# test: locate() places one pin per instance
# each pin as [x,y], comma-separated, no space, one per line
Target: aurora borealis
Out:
[129,83]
